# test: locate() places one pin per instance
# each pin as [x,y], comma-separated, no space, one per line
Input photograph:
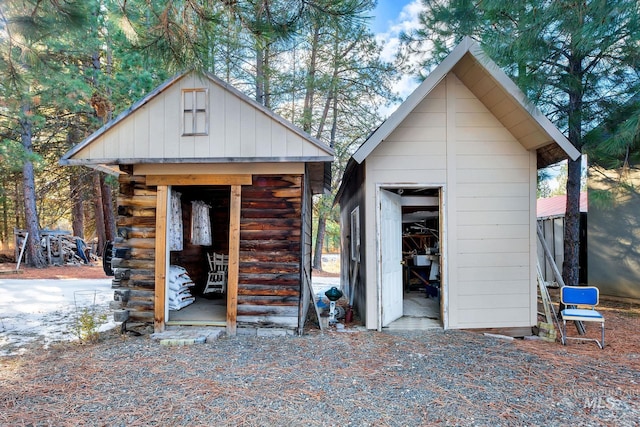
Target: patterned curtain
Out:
[200,224]
[175,222]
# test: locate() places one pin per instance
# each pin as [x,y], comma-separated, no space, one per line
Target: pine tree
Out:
[575,59]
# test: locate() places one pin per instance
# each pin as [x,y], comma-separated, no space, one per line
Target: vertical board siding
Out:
[493,218]
[136,231]
[270,251]
[237,128]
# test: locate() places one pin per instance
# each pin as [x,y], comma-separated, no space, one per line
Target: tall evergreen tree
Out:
[575,59]
[27,51]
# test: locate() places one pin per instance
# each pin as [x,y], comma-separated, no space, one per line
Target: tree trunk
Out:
[33,251]
[107,207]
[99,213]
[571,265]
[5,218]
[317,253]
[77,209]
[307,111]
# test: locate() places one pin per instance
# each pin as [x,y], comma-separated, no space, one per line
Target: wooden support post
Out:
[160,258]
[234,262]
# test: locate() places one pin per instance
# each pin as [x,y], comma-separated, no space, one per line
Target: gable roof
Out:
[497,92]
[115,143]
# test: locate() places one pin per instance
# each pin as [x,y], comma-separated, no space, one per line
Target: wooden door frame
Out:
[163,182]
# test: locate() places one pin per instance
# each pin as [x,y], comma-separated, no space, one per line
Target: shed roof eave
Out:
[467,47]
[193,160]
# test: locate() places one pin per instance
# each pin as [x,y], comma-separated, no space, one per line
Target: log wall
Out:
[270,256]
[270,251]
[134,248]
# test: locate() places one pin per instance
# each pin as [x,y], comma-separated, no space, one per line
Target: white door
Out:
[390,245]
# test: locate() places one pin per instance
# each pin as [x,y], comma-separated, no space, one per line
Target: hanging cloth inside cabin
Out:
[175,223]
[200,224]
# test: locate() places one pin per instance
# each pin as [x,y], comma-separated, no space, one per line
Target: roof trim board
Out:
[466,47]
[212,160]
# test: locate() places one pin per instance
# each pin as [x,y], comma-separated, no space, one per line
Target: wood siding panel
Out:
[470,246]
[141,131]
[478,161]
[278,140]
[500,259]
[294,145]
[491,176]
[498,231]
[217,120]
[498,189]
[493,217]
[126,133]
[234,122]
[417,135]
[237,128]
[415,162]
[263,136]
[425,120]
[248,131]
[493,204]
[411,148]
[494,287]
[505,316]
[493,147]
[492,274]
[488,134]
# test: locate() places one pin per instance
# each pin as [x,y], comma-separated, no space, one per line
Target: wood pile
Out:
[59,248]
[66,250]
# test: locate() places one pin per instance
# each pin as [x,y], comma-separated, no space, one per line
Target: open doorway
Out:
[417,212]
[198,228]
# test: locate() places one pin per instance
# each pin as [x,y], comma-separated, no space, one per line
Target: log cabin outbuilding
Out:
[440,201]
[196,141]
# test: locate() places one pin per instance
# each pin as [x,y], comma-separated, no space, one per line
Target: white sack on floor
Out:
[179,294]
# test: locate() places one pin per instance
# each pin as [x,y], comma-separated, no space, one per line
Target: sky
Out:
[390,18]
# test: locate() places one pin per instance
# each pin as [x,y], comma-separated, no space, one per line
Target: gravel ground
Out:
[331,379]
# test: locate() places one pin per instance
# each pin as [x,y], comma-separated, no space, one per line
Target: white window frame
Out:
[192,111]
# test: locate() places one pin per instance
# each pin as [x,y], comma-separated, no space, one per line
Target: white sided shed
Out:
[453,172]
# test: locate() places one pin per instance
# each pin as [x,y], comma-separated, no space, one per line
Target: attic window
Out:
[195,118]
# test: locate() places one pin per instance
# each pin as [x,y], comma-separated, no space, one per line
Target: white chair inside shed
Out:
[217,277]
[575,298]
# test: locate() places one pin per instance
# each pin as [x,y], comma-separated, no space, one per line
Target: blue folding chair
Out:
[575,298]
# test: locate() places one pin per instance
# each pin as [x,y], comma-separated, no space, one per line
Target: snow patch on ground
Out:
[43,312]
[46,311]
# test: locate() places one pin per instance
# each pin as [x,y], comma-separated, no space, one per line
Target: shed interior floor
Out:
[202,310]
[418,312]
